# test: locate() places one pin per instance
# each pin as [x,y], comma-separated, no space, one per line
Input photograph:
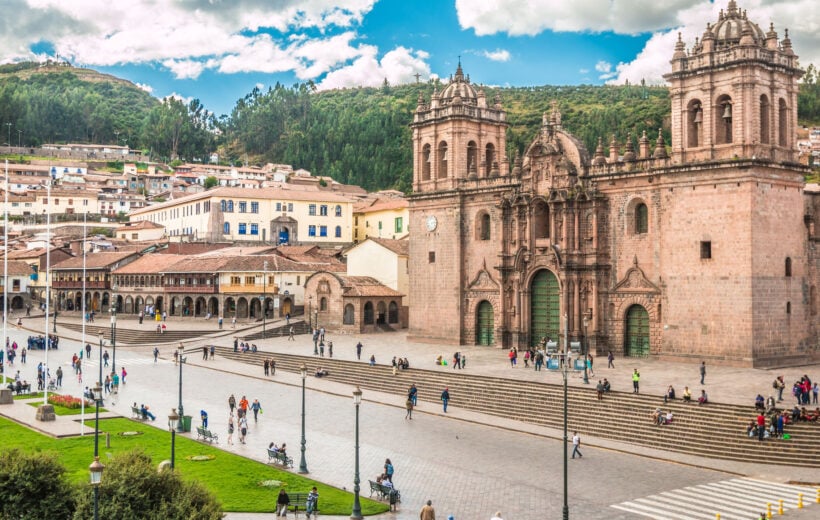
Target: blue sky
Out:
[218,50]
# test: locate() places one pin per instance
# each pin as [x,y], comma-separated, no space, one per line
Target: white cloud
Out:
[185,69]
[497,55]
[801,17]
[184,99]
[146,88]
[603,66]
[397,66]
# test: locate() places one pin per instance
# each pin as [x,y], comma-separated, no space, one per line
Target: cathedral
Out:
[698,249]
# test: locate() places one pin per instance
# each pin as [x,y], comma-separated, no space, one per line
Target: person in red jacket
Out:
[761,426]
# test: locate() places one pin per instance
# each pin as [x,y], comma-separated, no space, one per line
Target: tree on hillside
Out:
[33,486]
[132,488]
[210,182]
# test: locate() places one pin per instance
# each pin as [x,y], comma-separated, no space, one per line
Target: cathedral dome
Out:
[730,26]
[459,88]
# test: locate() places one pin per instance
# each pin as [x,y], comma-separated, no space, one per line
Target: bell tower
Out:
[734,93]
[457,135]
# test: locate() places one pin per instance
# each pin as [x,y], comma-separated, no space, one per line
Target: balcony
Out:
[78,284]
[191,289]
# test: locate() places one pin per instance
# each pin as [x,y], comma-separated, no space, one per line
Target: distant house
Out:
[140,231]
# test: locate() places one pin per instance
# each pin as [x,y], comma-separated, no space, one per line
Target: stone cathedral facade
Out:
[698,249]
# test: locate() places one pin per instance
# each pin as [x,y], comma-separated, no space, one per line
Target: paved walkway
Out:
[462,464]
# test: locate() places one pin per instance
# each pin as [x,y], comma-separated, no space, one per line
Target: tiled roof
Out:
[140,224]
[400,247]
[239,251]
[380,205]
[366,286]
[150,264]
[18,268]
[197,264]
[94,260]
[28,253]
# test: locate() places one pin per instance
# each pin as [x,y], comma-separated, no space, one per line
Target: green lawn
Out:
[33,395]
[233,479]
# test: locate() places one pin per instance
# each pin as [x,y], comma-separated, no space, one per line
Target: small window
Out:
[788,266]
[484,227]
[226,228]
[250,280]
[278,206]
[290,206]
[338,211]
[243,229]
[243,207]
[399,224]
[323,210]
[134,236]
[338,231]
[788,307]
[254,229]
[230,207]
[641,219]
[312,210]
[323,304]
[322,231]
[255,207]
[705,250]
[311,231]
[431,257]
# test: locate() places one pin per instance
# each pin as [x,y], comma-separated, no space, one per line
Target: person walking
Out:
[59,377]
[219,322]
[213,351]
[266,367]
[230,429]
[388,470]
[233,322]
[243,428]
[282,502]
[427,512]
[272,367]
[88,351]
[232,403]
[124,374]
[610,360]
[413,394]
[257,408]
[105,358]
[702,371]
[359,351]
[600,389]
[205,352]
[636,380]
[290,334]
[445,398]
[312,500]
[330,349]
[409,406]
[156,354]
[779,384]
[576,445]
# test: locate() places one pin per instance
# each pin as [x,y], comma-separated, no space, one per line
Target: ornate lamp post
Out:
[96,467]
[303,463]
[173,421]
[181,424]
[357,508]
[113,311]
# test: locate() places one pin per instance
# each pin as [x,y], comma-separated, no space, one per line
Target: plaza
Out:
[469,464]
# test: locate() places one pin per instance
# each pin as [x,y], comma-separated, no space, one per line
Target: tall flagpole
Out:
[48,288]
[6,275]
[85,233]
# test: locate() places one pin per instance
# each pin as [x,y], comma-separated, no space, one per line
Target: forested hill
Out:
[357,136]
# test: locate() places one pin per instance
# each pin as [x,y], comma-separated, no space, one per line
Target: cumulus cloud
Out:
[400,65]
[146,88]
[497,55]
[188,37]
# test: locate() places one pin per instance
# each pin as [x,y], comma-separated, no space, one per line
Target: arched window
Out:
[368,313]
[349,316]
[641,219]
[723,120]
[442,160]
[541,220]
[338,210]
[482,226]
[489,158]
[338,231]
[694,127]
[788,307]
[226,228]
[392,313]
[472,157]
[425,162]
[783,123]
[788,266]
[323,304]
[765,129]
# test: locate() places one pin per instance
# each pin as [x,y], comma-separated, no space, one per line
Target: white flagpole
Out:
[82,412]
[6,276]
[47,280]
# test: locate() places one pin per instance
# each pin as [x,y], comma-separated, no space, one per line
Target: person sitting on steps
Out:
[687,395]
[703,399]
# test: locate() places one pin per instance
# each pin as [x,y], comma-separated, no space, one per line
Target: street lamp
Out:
[102,341]
[173,421]
[587,316]
[113,311]
[566,460]
[181,350]
[357,508]
[96,467]
[303,462]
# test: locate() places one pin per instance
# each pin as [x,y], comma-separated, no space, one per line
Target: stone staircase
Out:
[147,336]
[715,430]
[299,327]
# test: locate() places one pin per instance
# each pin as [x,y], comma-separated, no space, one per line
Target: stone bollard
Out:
[780,507]
[800,501]
[769,510]
[5,396]
[45,413]
[107,439]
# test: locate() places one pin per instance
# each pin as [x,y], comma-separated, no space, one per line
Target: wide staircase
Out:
[715,430]
[299,327]
[147,336]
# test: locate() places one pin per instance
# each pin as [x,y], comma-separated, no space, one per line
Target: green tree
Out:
[33,486]
[133,489]
[210,182]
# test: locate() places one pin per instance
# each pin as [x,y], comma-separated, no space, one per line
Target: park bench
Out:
[135,411]
[206,434]
[298,502]
[383,492]
[280,457]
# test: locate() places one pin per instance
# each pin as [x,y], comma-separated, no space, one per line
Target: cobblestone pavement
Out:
[467,468]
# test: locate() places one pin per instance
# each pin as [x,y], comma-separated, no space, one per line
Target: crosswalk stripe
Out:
[734,499]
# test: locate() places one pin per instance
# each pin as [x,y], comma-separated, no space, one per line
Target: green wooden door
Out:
[485,324]
[545,306]
[637,332]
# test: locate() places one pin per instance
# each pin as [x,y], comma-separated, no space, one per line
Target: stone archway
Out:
[636,331]
[200,307]
[545,307]
[485,324]
[129,305]
[229,309]
[381,313]
[213,306]
[187,306]
[242,308]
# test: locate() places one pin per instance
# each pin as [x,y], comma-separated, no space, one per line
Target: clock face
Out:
[432,222]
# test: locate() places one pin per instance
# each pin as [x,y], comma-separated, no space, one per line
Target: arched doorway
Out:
[381,313]
[241,308]
[187,306]
[17,303]
[175,306]
[199,309]
[392,313]
[485,323]
[158,305]
[129,305]
[287,306]
[139,304]
[256,308]
[230,307]
[636,339]
[213,306]
[368,313]
[545,307]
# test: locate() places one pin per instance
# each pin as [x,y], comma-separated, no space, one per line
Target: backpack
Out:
[774,383]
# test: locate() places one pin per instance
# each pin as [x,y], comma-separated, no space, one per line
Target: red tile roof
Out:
[95,260]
